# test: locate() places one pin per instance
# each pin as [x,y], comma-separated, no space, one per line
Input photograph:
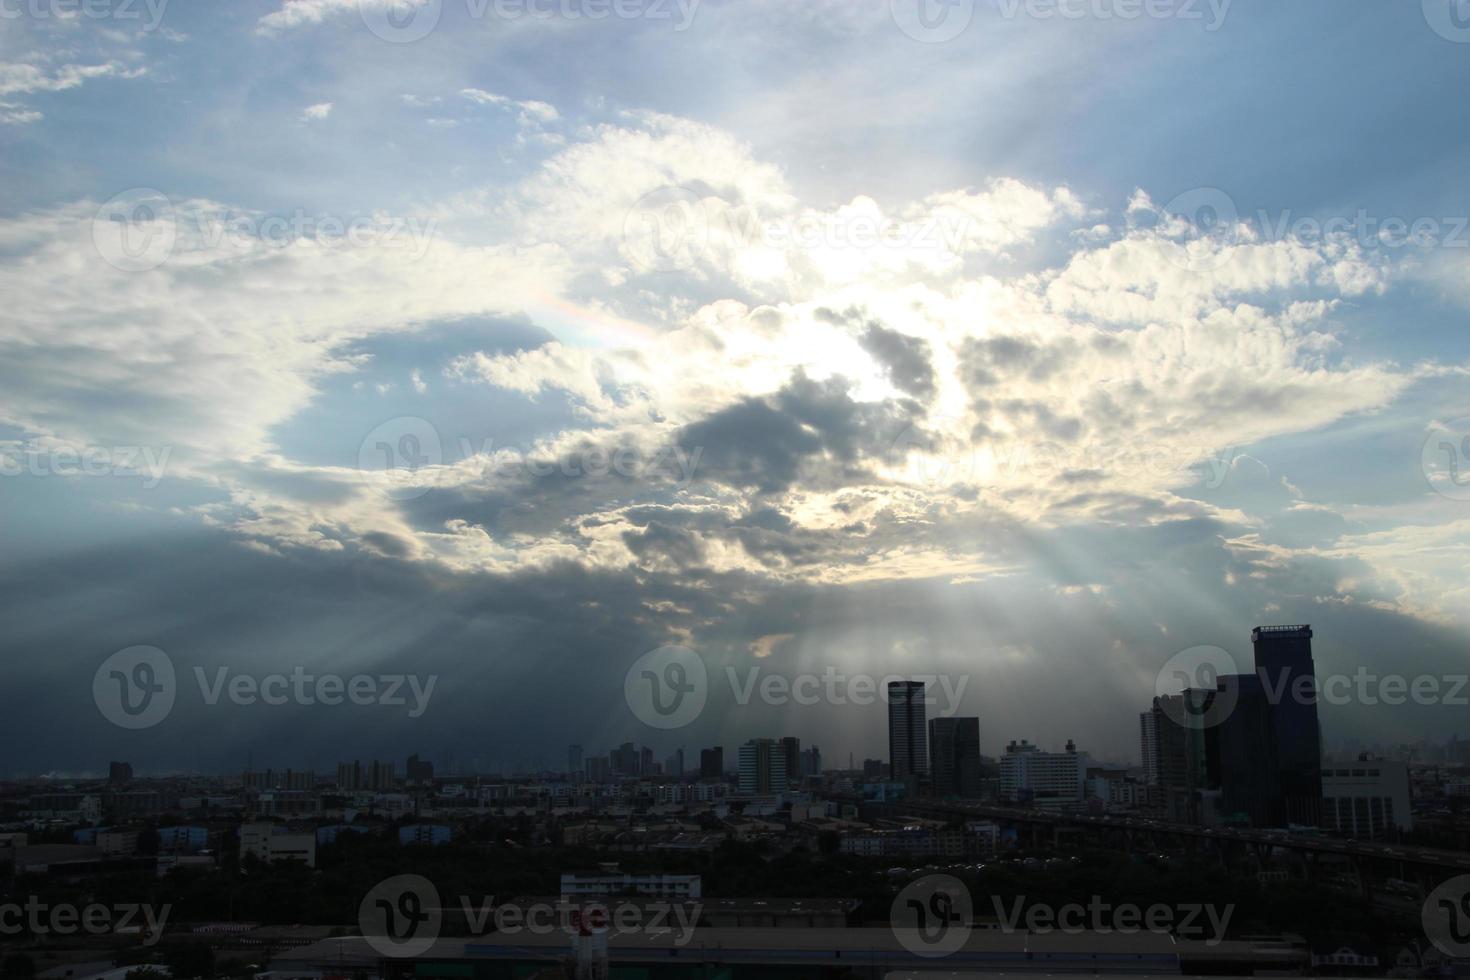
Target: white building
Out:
[1047,778]
[268,842]
[587,884]
[1365,798]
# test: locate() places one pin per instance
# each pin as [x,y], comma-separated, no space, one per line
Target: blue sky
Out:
[961,374]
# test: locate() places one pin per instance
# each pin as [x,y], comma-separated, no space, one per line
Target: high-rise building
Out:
[119,772]
[349,776]
[762,767]
[954,757]
[1027,773]
[420,772]
[624,760]
[811,761]
[791,753]
[1179,761]
[1148,743]
[908,752]
[574,758]
[712,763]
[1284,665]
[674,764]
[381,775]
[598,769]
[1241,754]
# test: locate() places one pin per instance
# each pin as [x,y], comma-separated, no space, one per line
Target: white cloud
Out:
[319,111]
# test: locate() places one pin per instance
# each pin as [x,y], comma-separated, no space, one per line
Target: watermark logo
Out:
[1188,690]
[667,687]
[401,916]
[932,916]
[394,458]
[1450,19]
[135,231]
[836,688]
[51,458]
[1211,13]
[932,459]
[666,230]
[1191,920]
[1445,458]
[1207,219]
[39,918]
[932,21]
[1446,917]
[149,11]
[400,21]
[135,687]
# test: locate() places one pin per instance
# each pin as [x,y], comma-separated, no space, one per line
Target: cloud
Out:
[319,111]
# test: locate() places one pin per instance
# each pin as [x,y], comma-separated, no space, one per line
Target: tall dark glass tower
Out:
[954,757]
[1285,668]
[1242,752]
[908,753]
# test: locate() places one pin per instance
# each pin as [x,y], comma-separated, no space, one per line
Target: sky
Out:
[497,346]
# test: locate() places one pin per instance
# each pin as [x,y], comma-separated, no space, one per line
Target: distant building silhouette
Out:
[712,763]
[954,757]
[908,753]
[1284,665]
[762,767]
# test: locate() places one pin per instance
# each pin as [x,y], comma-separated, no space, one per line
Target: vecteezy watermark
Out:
[139,230]
[1198,688]
[1450,19]
[677,228]
[404,458]
[932,916]
[136,688]
[932,21]
[1446,917]
[669,686]
[1207,225]
[37,917]
[1188,920]
[68,460]
[1445,458]
[1210,13]
[939,453]
[403,915]
[406,21]
[150,12]
[836,688]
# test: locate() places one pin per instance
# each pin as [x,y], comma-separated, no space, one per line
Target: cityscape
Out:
[734,489]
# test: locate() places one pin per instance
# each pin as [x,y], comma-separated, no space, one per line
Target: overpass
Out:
[871,953]
[1124,833]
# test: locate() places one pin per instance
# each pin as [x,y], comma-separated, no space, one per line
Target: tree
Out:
[17,966]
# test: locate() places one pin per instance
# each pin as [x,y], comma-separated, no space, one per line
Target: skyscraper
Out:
[762,767]
[574,758]
[791,752]
[954,757]
[1243,754]
[712,763]
[1284,665]
[1148,743]
[908,752]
